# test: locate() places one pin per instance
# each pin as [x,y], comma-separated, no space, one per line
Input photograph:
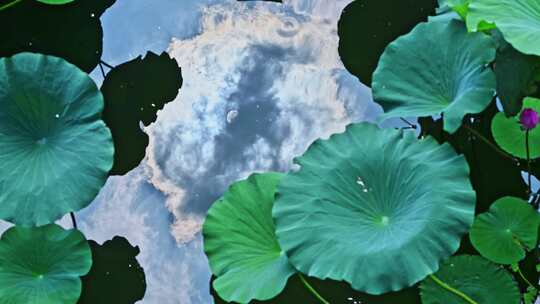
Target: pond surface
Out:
[261,82]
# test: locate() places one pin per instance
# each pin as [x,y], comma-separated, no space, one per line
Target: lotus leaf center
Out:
[41,141]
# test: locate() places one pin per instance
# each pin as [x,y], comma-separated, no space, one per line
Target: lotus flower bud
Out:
[529,119]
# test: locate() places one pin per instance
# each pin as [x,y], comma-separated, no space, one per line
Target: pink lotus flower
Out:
[529,119]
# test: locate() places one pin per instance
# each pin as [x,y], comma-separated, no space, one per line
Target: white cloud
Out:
[281,74]
[321,8]
[129,206]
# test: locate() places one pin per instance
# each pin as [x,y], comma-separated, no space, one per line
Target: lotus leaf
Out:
[437,68]
[518,20]
[42,265]
[510,136]
[473,276]
[241,245]
[506,231]
[377,208]
[56,151]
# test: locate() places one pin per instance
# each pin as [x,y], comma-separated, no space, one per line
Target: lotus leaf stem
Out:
[488,142]
[106,64]
[312,290]
[9,4]
[528,162]
[73,220]
[452,290]
[518,270]
[102,70]
[411,125]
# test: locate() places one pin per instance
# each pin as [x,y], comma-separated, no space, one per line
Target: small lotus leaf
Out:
[506,231]
[55,2]
[437,68]
[241,245]
[475,277]
[510,136]
[42,265]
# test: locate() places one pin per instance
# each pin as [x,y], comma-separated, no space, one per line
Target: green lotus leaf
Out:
[527,266]
[374,207]
[518,20]
[444,13]
[461,10]
[475,277]
[241,245]
[55,2]
[438,67]
[511,138]
[503,234]
[116,276]
[461,7]
[56,151]
[366,27]
[530,296]
[42,265]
